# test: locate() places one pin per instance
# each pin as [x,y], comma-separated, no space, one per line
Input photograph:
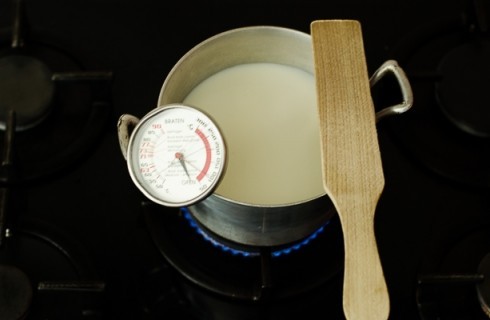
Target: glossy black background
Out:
[139,41]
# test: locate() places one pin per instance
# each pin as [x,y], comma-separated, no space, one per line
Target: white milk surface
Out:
[267,113]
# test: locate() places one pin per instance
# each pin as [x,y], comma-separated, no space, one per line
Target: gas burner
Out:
[16,294]
[247,277]
[462,90]
[61,109]
[447,130]
[455,284]
[246,250]
[208,281]
[26,88]
[40,267]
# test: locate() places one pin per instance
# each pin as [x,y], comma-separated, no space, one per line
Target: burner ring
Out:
[426,134]
[16,294]
[26,88]
[462,91]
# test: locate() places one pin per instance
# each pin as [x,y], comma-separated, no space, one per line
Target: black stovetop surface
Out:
[423,215]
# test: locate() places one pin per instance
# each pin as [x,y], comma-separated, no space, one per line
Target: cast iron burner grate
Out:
[40,268]
[455,284]
[288,286]
[51,114]
[60,109]
[448,129]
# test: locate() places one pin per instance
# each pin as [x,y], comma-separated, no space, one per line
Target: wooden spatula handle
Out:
[365,295]
[352,168]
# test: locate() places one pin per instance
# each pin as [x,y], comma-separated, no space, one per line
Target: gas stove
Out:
[79,241]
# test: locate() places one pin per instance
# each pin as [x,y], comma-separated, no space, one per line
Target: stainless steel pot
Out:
[243,222]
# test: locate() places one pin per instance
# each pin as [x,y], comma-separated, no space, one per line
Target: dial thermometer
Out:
[176,155]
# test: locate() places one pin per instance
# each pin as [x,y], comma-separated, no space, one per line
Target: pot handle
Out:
[391,66]
[125,126]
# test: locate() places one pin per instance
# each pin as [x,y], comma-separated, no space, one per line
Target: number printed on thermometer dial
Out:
[176,155]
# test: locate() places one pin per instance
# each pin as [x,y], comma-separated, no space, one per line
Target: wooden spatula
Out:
[352,169]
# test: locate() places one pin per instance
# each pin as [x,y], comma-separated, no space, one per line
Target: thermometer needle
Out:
[180,157]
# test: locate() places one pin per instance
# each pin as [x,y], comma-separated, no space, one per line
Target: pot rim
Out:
[196,51]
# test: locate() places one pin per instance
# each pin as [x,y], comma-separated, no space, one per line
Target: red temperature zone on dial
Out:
[207,163]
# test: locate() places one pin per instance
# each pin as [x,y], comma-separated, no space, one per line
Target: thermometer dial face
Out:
[176,155]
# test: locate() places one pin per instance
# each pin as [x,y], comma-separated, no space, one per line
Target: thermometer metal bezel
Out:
[132,166]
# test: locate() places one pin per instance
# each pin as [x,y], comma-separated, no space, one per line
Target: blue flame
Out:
[235,252]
